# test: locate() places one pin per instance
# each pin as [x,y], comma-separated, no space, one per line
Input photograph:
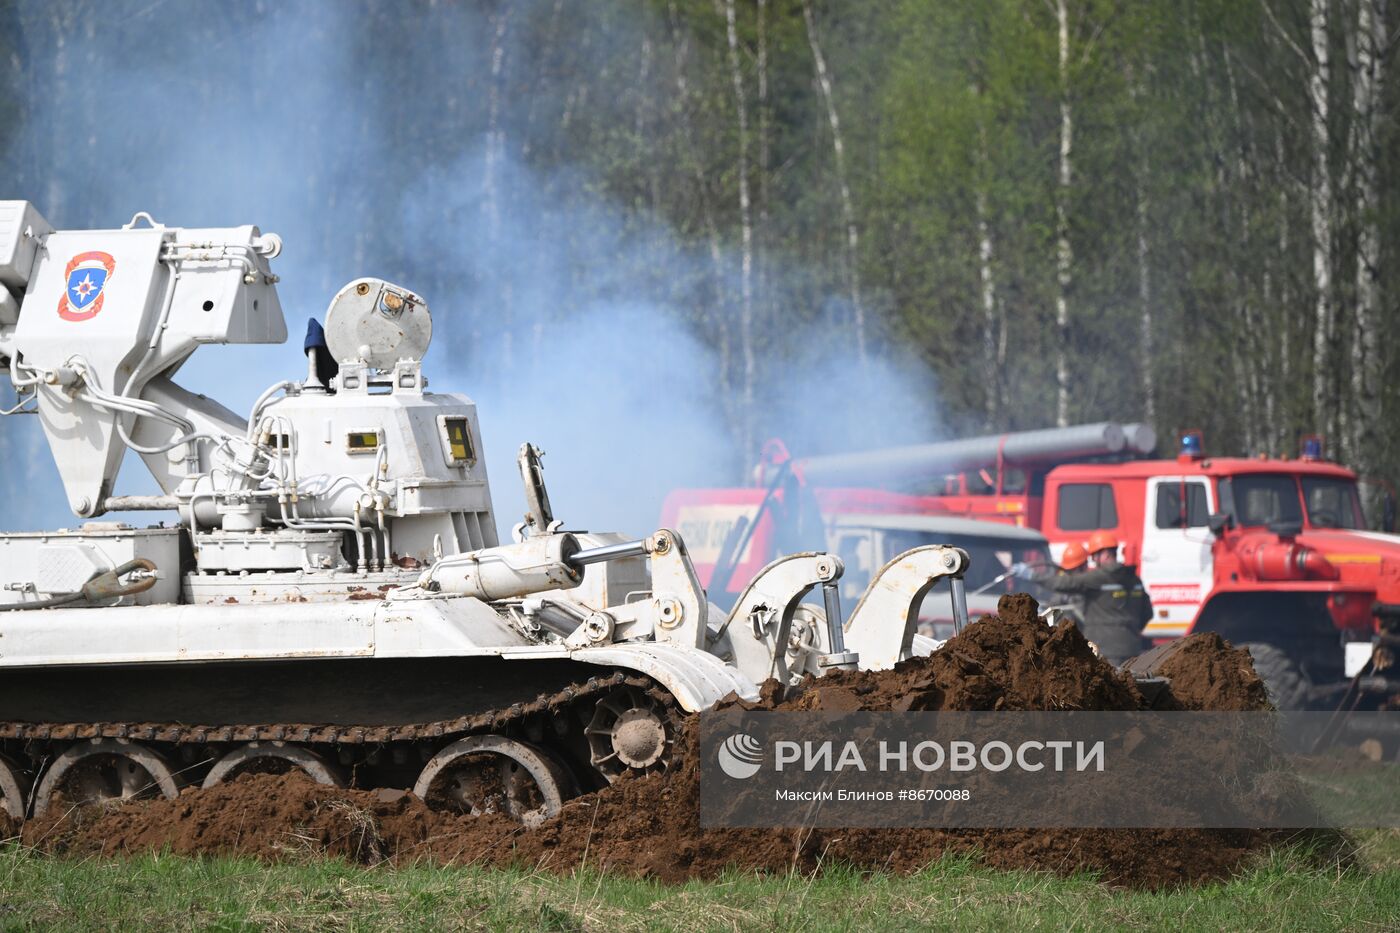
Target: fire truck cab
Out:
[1272,553]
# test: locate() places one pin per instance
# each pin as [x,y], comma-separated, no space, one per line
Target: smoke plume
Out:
[426,144]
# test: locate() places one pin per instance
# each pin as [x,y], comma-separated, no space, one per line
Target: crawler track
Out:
[372,756]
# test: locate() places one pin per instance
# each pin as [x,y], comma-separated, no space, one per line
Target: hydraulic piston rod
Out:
[139,503]
[598,555]
[835,633]
[958,591]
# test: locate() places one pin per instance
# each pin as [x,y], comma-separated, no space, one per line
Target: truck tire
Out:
[1288,686]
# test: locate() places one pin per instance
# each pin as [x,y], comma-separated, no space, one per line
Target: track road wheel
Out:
[630,730]
[1288,686]
[274,758]
[14,789]
[102,771]
[494,774]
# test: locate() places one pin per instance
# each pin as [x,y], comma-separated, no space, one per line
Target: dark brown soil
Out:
[1208,673]
[1009,661]
[650,826]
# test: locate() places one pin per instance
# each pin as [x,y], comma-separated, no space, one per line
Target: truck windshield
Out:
[1265,498]
[1261,498]
[1332,503]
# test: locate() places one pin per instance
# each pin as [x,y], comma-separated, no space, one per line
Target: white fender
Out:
[696,678]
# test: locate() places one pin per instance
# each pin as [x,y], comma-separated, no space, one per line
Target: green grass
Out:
[167,892]
[1356,796]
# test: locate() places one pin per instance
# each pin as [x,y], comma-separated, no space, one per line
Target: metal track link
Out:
[498,720]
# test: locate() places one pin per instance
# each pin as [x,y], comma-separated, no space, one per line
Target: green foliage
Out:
[1187,209]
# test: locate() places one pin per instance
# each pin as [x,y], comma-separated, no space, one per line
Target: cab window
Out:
[1332,503]
[984,482]
[1086,507]
[1256,499]
[1182,505]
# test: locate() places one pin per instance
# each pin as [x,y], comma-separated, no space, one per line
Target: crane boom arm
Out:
[93,320]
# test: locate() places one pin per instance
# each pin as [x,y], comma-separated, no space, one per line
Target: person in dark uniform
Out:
[1116,606]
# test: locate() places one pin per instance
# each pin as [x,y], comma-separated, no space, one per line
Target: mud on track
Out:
[650,826]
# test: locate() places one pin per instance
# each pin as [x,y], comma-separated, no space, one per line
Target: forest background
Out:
[667,230]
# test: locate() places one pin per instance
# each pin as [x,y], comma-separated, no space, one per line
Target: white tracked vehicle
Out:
[330,594]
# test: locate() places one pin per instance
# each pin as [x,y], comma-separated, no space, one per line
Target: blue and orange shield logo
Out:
[86,276]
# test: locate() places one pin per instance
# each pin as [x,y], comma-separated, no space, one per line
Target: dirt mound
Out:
[648,827]
[1009,661]
[255,814]
[651,826]
[268,816]
[1208,673]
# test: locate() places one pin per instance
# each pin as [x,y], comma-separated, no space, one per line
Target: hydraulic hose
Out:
[102,586]
[50,602]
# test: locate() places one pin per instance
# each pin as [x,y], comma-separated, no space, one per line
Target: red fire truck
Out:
[1271,553]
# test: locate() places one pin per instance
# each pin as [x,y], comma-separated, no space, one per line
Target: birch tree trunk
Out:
[1064,255]
[1320,213]
[577,98]
[993,327]
[680,38]
[1257,375]
[535,93]
[639,121]
[1228,200]
[495,150]
[985,253]
[64,23]
[495,134]
[765,159]
[543,58]
[848,213]
[1145,328]
[765,155]
[1286,368]
[746,347]
[1144,257]
[1367,83]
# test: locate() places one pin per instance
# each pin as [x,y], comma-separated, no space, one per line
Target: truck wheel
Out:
[1288,686]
